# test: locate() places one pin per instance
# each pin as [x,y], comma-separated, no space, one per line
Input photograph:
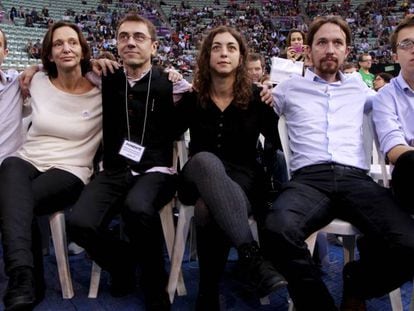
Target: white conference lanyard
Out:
[130,149]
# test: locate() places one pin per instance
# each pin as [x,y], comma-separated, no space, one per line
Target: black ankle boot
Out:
[256,272]
[153,283]
[20,292]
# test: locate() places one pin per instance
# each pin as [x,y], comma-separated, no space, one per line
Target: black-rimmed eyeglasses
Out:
[138,37]
[406,44]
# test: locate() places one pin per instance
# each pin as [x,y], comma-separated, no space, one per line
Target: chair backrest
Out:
[369,141]
[284,139]
[180,153]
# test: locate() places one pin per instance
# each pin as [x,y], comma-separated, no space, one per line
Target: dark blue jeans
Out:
[313,198]
[24,193]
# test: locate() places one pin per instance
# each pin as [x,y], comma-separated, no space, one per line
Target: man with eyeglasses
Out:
[365,62]
[393,115]
[138,179]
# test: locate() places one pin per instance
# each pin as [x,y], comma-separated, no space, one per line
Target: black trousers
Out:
[403,180]
[24,193]
[314,197]
[138,199]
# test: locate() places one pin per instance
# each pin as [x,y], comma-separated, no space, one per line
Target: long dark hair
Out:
[47,45]
[291,32]
[242,88]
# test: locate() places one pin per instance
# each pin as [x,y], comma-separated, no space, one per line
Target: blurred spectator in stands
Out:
[35,15]
[34,50]
[29,21]
[295,45]
[381,79]
[364,45]
[168,66]
[185,5]
[365,62]
[257,68]
[28,48]
[349,68]
[49,22]
[45,12]
[21,12]
[13,13]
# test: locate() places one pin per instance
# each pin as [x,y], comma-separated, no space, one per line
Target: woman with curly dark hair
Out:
[225,116]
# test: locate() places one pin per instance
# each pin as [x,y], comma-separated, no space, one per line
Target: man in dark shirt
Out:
[137,180]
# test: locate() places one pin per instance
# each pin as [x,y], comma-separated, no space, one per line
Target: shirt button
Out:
[221,124]
[218,145]
[219,135]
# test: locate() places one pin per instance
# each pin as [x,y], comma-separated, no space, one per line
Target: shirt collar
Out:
[139,78]
[311,76]
[3,78]
[402,84]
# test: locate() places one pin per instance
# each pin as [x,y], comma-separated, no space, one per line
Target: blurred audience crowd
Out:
[265,23]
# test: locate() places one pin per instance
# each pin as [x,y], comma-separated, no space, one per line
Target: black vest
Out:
[158,137]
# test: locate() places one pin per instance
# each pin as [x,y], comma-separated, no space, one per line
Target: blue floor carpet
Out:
[233,295]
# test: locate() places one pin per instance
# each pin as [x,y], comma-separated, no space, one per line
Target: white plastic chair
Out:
[58,231]
[185,214]
[337,226]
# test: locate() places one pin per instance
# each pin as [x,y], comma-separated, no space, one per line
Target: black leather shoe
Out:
[20,292]
[122,283]
[256,272]
[160,302]
[352,303]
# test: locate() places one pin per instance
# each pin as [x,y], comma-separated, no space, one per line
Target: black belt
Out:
[329,166]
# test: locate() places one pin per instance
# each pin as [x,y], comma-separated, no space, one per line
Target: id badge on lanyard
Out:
[132,151]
